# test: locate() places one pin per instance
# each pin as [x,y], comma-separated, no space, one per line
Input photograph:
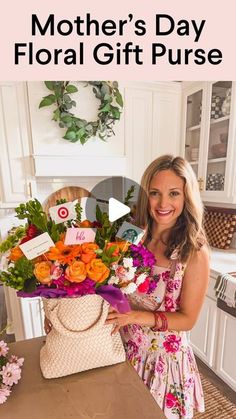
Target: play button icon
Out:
[116,209]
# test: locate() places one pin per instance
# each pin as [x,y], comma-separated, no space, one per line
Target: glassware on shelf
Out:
[219,150]
[194,153]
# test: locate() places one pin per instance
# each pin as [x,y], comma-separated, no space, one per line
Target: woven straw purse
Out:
[78,340]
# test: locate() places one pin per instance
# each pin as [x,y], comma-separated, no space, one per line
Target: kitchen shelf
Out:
[218,160]
[194,128]
[216,121]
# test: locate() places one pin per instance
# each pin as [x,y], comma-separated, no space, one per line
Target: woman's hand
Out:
[141,318]
[119,319]
[47,325]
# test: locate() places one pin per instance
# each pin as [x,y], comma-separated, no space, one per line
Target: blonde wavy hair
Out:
[187,234]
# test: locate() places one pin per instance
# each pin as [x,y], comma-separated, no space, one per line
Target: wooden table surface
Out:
[114,392]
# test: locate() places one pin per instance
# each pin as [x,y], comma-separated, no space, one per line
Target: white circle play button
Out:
[116,209]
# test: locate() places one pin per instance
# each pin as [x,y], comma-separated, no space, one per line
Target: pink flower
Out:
[4,393]
[172,285]
[121,272]
[3,348]
[171,400]
[169,303]
[160,365]
[165,275]
[11,373]
[172,343]
[56,271]
[18,361]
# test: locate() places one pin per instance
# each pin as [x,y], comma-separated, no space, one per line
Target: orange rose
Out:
[85,223]
[116,250]
[16,254]
[76,272]
[42,271]
[88,252]
[97,271]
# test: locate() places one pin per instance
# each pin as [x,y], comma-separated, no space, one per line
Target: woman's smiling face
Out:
[166,197]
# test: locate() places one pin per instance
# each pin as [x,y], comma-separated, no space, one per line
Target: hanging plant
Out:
[78,129]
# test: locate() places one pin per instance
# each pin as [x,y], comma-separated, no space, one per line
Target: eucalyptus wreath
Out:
[78,129]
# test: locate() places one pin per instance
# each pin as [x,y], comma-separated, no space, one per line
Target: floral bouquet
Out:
[76,278]
[10,371]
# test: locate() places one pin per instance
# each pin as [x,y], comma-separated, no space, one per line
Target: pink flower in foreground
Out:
[171,400]
[18,361]
[3,348]
[4,393]
[11,373]
[172,343]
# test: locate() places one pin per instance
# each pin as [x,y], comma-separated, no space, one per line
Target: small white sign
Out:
[37,246]
[62,212]
[130,233]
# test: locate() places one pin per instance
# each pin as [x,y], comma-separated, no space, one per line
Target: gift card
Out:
[62,212]
[130,233]
[37,246]
[80,235]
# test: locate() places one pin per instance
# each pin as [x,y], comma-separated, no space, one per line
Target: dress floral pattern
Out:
[165,360]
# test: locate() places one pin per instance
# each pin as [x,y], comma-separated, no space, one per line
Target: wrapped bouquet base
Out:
[78,340]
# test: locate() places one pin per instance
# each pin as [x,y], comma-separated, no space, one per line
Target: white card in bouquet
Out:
[80,235]
[62,212]
[130,233]
[37,246]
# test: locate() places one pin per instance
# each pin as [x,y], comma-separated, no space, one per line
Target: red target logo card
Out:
[62,212]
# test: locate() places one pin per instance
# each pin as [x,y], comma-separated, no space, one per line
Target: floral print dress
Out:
[165,360]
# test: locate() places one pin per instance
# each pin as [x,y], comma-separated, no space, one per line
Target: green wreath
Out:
[78,129]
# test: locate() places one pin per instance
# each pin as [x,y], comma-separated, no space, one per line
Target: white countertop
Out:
[222,261]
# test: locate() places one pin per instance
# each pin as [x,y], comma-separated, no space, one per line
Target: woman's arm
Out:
[193,291]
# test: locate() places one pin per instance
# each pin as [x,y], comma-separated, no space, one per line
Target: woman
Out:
[154,331]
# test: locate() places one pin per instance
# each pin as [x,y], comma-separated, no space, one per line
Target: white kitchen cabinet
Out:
[149,127]
[226,343]
[203,335]
[15,163]
[208,132]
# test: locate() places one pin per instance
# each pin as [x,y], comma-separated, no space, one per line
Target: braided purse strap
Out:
[81,317]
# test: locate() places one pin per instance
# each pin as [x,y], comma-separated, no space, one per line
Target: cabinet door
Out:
[219,142]
[194,114]
[226,365]
[202,336]
[14,144]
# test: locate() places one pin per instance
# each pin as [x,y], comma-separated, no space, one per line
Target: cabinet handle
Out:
[201,183]
[30,190]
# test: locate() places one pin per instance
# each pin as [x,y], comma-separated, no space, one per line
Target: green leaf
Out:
[56,114]
[50,85]
[47,101]
[71,88]
[70,135]
[119,98]
[106,108]
[80,133]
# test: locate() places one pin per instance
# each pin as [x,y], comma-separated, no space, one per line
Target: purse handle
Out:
[58,325]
